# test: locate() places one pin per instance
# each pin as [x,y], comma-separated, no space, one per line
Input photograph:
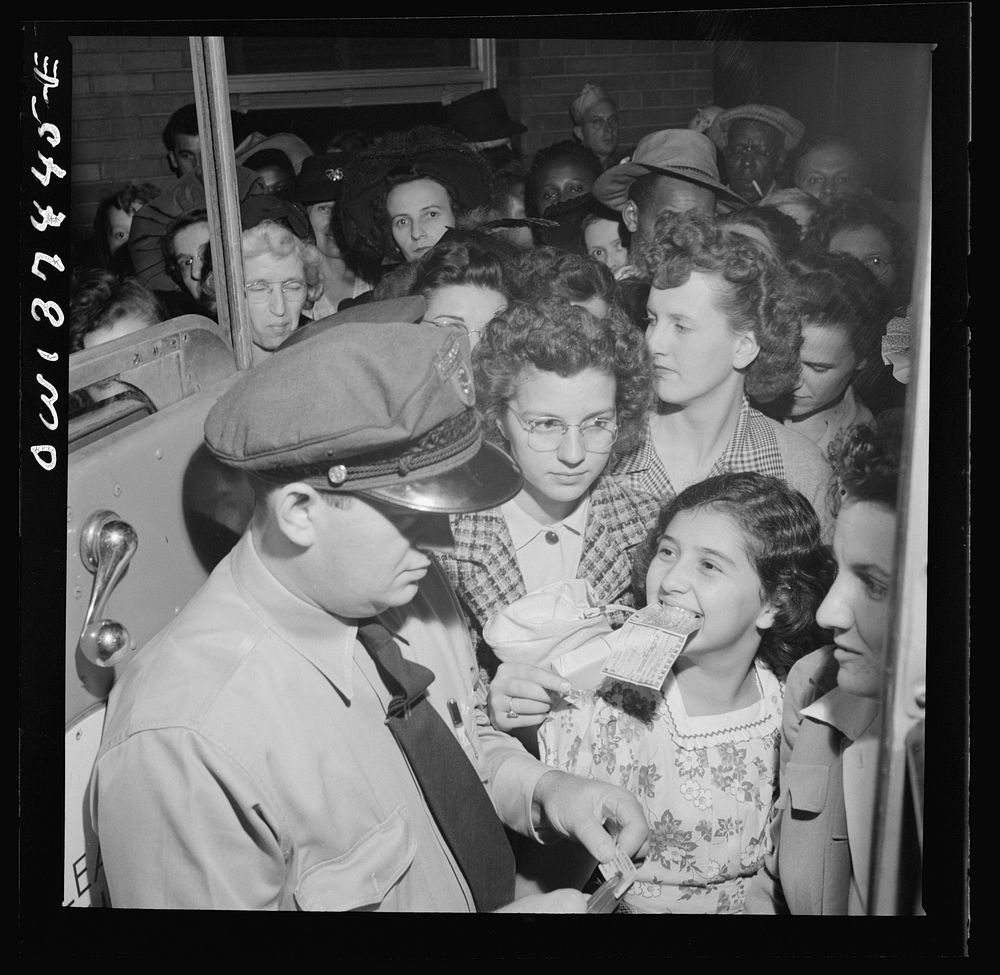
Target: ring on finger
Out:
[511,711]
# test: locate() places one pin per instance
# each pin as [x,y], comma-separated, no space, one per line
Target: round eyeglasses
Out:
[260,291]
[444,321]
[547,432]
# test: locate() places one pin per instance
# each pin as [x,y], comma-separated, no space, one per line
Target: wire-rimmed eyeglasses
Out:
[260,291]
[547,432]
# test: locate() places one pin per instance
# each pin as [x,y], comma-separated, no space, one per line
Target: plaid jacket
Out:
[483,566]
[752,447]
[758,444]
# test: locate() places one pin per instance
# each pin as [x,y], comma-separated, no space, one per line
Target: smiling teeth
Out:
[674,618]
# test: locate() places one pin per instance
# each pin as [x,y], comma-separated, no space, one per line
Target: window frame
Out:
[351,89]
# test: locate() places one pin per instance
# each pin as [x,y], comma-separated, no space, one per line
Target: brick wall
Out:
[125,89]
[657,84]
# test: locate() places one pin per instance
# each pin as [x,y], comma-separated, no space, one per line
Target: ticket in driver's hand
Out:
[619,874]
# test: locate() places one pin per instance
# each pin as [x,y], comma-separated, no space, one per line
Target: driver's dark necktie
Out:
[452,789]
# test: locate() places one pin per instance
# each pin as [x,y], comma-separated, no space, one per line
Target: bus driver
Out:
[263,751]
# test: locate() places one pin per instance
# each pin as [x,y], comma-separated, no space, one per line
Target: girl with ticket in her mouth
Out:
[742,551]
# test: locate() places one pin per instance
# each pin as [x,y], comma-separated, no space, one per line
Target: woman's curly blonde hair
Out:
[757,300]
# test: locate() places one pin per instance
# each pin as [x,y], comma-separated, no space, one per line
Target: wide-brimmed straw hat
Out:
[791,128]
[681,153]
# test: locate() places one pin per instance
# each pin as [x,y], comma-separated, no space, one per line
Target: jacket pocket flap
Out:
[806,787]
[363,875]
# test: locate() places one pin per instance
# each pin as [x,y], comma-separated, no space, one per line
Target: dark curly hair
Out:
[781,535]
[866,462]
[552,335]
[856,212]
[465,258]
[780,231]
[837,290]
[100,298]
[568,150]
[575,277]
[757,298]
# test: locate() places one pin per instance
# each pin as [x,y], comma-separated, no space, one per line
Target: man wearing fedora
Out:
[309,733]
[755,141]
[484,123]
[671,170]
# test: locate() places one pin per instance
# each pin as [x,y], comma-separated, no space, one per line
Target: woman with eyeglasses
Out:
[861,227]
[281,276]
[467,279]
[564,392]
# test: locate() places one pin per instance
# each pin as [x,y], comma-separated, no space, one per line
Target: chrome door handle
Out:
[107,545]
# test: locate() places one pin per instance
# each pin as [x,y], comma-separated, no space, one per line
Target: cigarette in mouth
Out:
[760,192]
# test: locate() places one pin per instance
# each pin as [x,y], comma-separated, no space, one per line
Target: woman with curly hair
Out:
[467,279]
[282,275]
[563,391]
[580,279]
[720,329]
[859,226]
[741,552]
[843,318]
[104,307]
[820,857]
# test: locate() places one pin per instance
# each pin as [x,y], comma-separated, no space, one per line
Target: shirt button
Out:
[552,538]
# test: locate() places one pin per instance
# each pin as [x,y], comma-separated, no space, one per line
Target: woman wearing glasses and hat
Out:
[399,198]
[564,392]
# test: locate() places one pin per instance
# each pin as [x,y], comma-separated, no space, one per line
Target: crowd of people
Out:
[666,376]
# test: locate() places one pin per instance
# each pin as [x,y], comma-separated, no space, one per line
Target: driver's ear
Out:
[296,509]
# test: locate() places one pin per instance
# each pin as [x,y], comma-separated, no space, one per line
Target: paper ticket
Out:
[620,867]
[649,643]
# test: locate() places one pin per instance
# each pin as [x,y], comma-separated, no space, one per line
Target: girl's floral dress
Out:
[707,784]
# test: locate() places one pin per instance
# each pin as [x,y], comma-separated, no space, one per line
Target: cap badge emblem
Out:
[466,391]
[337,474]
[454,370]
[334,174]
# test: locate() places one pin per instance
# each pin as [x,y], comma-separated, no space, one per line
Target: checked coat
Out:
[483,565]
